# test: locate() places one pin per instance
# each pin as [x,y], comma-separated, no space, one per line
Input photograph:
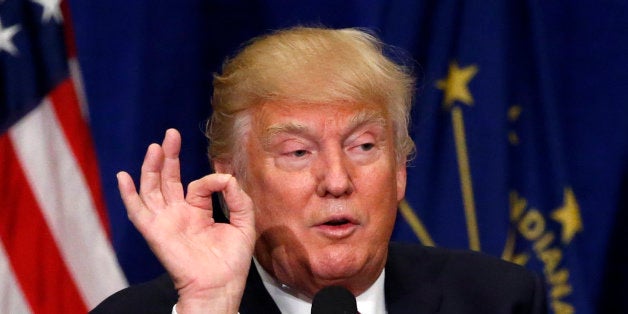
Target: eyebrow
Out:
[288,127]
[363,117]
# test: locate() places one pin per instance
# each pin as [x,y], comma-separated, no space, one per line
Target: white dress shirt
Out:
[370,301]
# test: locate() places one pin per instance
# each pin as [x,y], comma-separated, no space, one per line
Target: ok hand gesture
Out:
[207,261]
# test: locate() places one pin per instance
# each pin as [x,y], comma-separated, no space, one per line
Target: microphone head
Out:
[334,300]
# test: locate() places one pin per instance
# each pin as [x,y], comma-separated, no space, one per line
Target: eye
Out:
[364,151]
[367,146]
[294,159]
[299,153]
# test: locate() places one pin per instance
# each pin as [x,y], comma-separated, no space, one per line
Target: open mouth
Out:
[337,222]
[338,227]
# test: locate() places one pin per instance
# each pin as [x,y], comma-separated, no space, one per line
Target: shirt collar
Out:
[370,301]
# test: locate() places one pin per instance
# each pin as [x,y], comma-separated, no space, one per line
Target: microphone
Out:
[334,300]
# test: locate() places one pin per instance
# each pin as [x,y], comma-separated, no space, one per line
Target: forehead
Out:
[278,116]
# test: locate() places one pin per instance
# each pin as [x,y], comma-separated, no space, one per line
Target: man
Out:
[309,141]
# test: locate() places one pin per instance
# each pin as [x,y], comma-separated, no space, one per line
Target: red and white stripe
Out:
[55,249]
[10,293]
[54,231]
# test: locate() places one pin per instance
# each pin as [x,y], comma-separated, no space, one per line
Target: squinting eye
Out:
[367,146]
[299,153]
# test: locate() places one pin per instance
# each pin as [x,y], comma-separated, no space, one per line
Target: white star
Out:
[52,9]
[6,35]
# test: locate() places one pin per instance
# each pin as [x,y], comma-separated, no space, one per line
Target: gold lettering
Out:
[559,277]
[561,307]
[560,291]
[560,287]
[517,206]
[551,258]
[532,225]
[545,241]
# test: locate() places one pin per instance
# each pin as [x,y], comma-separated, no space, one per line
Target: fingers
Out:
[200,191]
[160,187]
[171,186]
[160,181]
[150,177]
[127,188]
[239,203]
[132,201]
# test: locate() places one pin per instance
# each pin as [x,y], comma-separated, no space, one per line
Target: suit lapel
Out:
[256,298]
[411,284]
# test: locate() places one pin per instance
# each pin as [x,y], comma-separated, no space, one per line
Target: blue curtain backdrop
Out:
[519,119]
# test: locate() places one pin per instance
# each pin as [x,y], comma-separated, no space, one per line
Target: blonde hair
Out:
[308,65]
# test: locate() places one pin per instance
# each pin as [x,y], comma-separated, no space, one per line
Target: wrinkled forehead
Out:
[283,116]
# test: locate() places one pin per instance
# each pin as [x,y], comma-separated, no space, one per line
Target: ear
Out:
[401,180]
[221,166]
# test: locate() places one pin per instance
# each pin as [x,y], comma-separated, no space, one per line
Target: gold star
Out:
[455,85]
[568,215]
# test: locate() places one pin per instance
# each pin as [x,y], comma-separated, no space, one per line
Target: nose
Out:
[334,175]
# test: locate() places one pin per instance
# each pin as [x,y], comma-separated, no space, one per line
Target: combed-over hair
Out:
[308,65]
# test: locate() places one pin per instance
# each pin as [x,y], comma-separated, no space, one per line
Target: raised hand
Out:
[207,261]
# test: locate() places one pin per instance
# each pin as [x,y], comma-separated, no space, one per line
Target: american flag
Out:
[55,249]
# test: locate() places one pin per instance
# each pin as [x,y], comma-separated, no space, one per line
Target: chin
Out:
[337,264]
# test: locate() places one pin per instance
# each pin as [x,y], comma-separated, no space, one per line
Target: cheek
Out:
[383,191]
[383,205]
[380,183]
[279,197]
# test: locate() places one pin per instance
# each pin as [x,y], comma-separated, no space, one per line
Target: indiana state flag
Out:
[489,172]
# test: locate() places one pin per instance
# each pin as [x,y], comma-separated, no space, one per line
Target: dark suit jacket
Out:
[418,280]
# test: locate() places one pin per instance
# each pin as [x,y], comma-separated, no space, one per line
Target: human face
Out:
[326,185]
